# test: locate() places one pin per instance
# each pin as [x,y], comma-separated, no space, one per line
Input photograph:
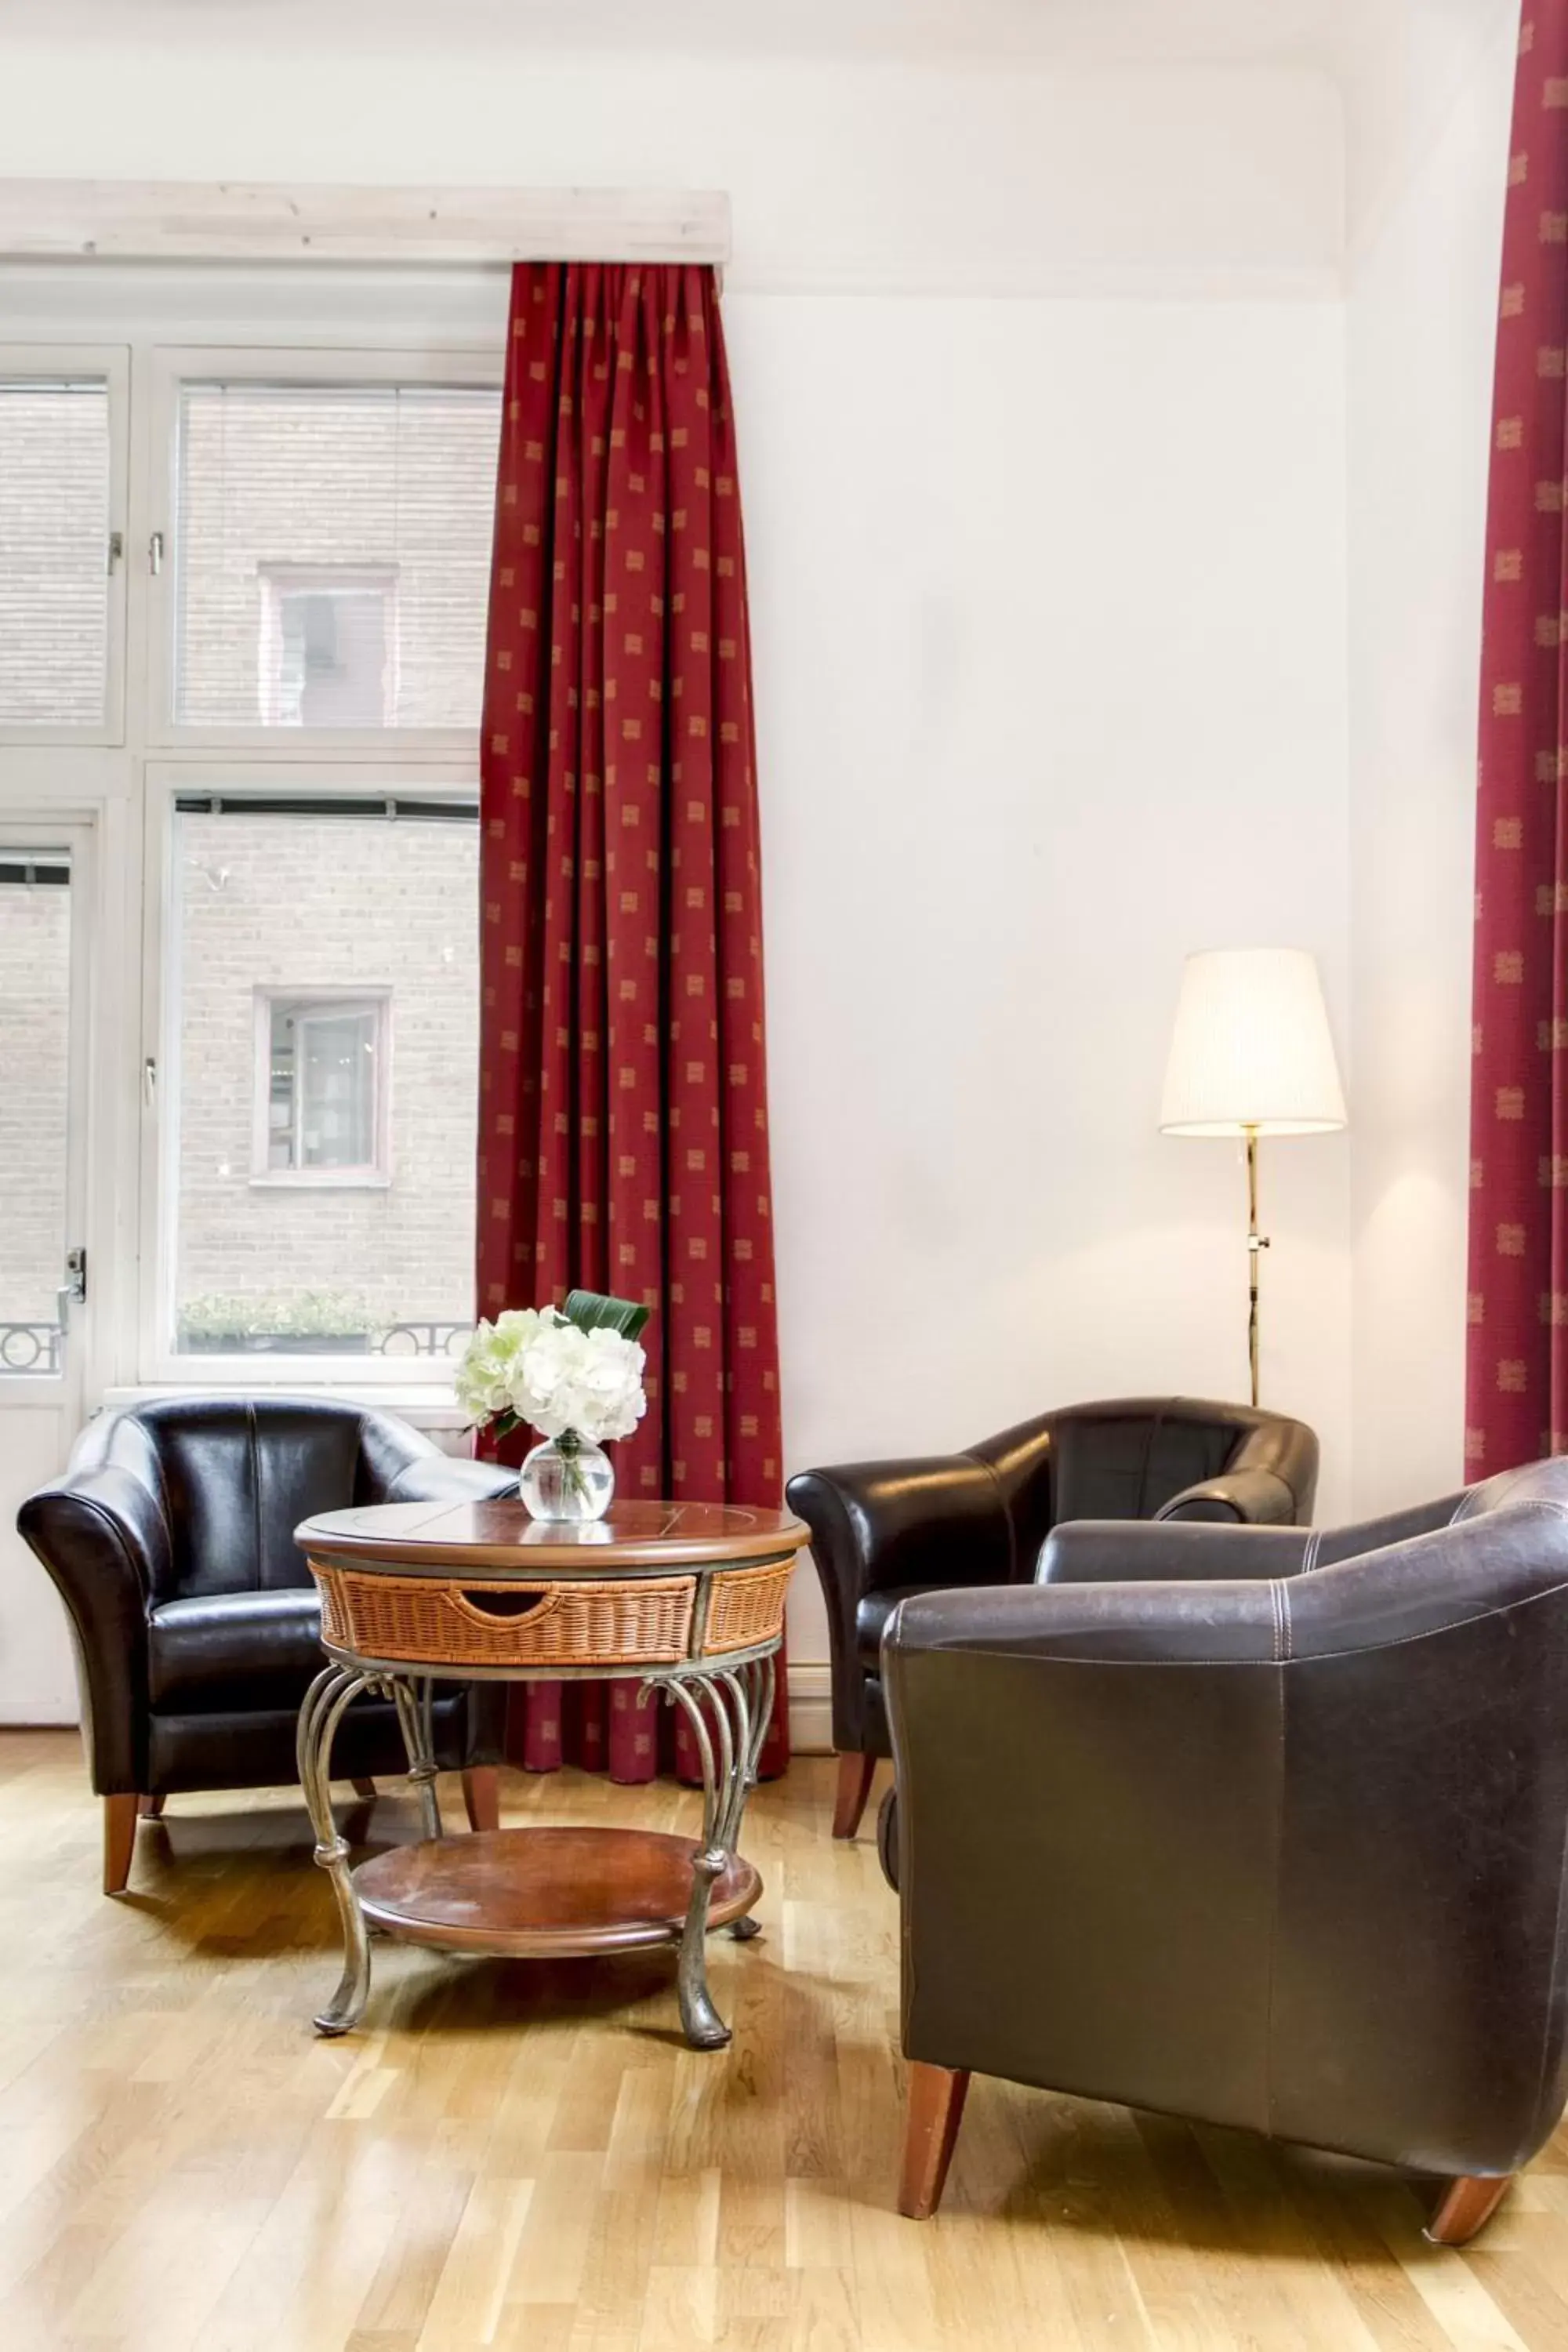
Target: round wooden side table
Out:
[683,1598]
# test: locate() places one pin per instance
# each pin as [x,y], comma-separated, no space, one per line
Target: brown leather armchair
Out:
[882,1531]
[195,1623]
[1265,1828]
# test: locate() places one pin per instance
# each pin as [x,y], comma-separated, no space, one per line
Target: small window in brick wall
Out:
[322,1090]
[329,646]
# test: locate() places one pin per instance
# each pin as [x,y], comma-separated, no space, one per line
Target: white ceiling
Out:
[1316,33]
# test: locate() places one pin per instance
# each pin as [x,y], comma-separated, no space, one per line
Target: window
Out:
[321,1091]
[316,604]
[331,556]
[294,545]
[329,642]
[35,1103]
[315,1202]
[57,557]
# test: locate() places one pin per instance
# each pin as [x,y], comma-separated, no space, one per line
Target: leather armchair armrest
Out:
[401,1464]
[1166,1551]
[876,1526]
[1429,1583]
[1271,1480]
[1250,1496]
[879,1526]
[449,1478]
[103,1537]
[1208,1622]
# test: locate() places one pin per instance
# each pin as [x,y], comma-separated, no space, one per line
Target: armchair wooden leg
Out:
[481,1795]
[931,2130]
[855,1777]
[151,1808]
[364,1791]
[1466,2206]
[118,1841]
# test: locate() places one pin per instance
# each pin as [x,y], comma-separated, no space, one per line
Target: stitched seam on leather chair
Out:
[990,1469]
[1308,1658]
[1551,1990]
[1462,1508]
[1280,1687]
[1314,1546]
[255,1488]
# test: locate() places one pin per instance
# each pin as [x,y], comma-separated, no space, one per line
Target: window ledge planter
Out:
[273,1343]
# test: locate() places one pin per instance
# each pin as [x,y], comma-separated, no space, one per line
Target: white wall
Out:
[1050,639]
[1421,325]
[1049,605]
[849,175]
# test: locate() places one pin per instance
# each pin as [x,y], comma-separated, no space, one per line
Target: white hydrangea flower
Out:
[532,1362]
[587,1381]
[484,1376]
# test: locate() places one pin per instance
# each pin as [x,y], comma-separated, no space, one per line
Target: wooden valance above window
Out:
[231,221]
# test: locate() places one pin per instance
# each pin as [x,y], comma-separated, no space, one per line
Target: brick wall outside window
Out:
[299,903]
[35,984]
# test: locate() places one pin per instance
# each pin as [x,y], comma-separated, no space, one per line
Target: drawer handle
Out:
[507,1608]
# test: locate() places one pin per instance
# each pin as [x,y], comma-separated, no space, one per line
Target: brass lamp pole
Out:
[1251,1056]
[1256,1243]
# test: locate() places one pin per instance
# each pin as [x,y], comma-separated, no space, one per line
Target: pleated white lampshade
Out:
[1252,1047]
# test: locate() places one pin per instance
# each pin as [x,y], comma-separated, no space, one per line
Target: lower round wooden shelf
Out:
[545,1894]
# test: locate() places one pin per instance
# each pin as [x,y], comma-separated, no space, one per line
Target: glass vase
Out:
[567,1477]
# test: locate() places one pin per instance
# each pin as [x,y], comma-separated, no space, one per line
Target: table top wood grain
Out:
[501,1538]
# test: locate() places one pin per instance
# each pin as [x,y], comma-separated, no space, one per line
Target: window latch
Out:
[155,554]
[149,1082]
[72,1291]
[116,550]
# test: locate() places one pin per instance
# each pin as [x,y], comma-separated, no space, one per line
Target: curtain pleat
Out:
[624,1135]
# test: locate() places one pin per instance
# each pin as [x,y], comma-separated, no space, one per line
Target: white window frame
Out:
[159,1363]
[373,997]
[112,362]
[480,369]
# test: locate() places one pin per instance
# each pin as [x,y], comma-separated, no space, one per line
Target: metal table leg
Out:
[414,1702]
[326,1701]
[727,1709]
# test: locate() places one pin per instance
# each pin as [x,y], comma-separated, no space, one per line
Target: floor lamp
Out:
[1251,1056]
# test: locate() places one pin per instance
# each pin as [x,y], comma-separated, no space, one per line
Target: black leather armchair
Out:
[1262,1827]
[195,1623]
[881,1531]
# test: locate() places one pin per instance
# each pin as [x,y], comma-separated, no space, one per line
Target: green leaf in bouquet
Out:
[591,1310]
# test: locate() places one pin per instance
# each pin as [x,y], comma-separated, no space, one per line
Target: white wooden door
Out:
[46,946]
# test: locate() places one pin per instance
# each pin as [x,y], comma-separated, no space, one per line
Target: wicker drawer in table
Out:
[643,1619]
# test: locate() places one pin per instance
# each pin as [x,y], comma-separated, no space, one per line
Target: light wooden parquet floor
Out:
[530,2157]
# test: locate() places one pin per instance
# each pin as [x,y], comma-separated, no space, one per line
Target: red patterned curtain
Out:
[1517,1405]
[623,1118]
